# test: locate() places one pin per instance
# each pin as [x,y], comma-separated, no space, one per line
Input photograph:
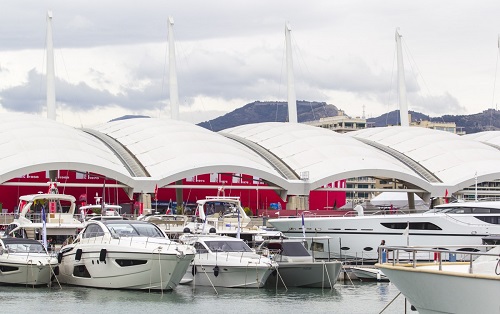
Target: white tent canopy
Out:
[396,199]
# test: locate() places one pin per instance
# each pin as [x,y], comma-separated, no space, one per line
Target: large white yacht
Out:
[124,254]
[463,223]
[223,261]
[25,262]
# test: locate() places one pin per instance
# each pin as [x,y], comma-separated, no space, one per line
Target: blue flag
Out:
[44,228]
[303,226]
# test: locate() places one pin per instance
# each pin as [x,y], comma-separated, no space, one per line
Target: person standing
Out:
[382,252]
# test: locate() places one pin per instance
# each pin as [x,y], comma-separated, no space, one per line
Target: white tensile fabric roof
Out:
[326,156]
[454,159]
[30,143]
[171,150]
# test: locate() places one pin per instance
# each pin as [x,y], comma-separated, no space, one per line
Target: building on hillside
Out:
[441,126]
[341,123]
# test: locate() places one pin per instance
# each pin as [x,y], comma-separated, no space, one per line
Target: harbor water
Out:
[359,297]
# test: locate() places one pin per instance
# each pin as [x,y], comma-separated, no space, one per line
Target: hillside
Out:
[485,121]
[270,111]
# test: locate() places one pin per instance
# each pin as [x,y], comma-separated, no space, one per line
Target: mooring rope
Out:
[55,276]
[389,303]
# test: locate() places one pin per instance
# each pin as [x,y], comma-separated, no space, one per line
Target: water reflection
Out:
[343,298]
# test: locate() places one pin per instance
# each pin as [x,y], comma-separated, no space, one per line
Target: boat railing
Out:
[6,218]
[409,255]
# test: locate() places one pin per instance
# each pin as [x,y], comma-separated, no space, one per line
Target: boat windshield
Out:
[135,230]
[221,209]
[287,248]
[228,246]
[24,248]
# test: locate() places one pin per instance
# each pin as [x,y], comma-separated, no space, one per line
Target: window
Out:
[413,225]
[93,231]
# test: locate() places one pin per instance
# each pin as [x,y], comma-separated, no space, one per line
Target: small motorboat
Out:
[298,268]
[223,261]
[25,262]
[369,274]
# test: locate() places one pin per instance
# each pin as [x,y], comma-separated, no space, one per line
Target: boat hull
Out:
[431,291]
[306,274]
[124,268]
[27,271]
[228,276]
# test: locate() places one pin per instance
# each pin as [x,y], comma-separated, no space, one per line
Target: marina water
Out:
[359,297]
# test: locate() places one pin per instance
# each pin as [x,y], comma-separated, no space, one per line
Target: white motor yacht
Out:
[470,286]
[124,254]
[59,209]
[464,223]
[25,262]
[296,267]
[223,261]
[224,215]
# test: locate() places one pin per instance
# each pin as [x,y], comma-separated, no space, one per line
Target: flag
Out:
[44,228]
[446,196]
[238,232]
[303,226]
[156,192]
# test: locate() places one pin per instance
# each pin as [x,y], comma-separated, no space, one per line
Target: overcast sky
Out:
[111,57]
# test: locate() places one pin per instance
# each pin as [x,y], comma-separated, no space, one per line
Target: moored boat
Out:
[223,261]
[124,254]
[464,223]
[25,262]
[60,222]
[470,286]
[296,267]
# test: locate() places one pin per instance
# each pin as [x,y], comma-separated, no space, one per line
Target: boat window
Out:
[467,210]
[413,225]
[135,230]
[489,219]
[93,231]
[228,246]
[24,248]
[295,249]
[200,248]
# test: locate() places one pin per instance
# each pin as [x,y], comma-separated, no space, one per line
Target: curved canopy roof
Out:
[31,143]
[143,152]
[455,160]
[322,155]
[171,150]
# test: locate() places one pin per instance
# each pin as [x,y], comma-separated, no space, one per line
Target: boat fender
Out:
[102,256]
[378,276]
[78,255]
[216,271]
[56,270]
[193,270]
[212,230]
[186,230]
[59,257]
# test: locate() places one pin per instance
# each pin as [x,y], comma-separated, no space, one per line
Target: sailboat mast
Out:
[403,105]
[174,90]
[292,101]
[51,92]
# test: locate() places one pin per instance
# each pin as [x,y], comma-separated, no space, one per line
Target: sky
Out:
[111,57]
